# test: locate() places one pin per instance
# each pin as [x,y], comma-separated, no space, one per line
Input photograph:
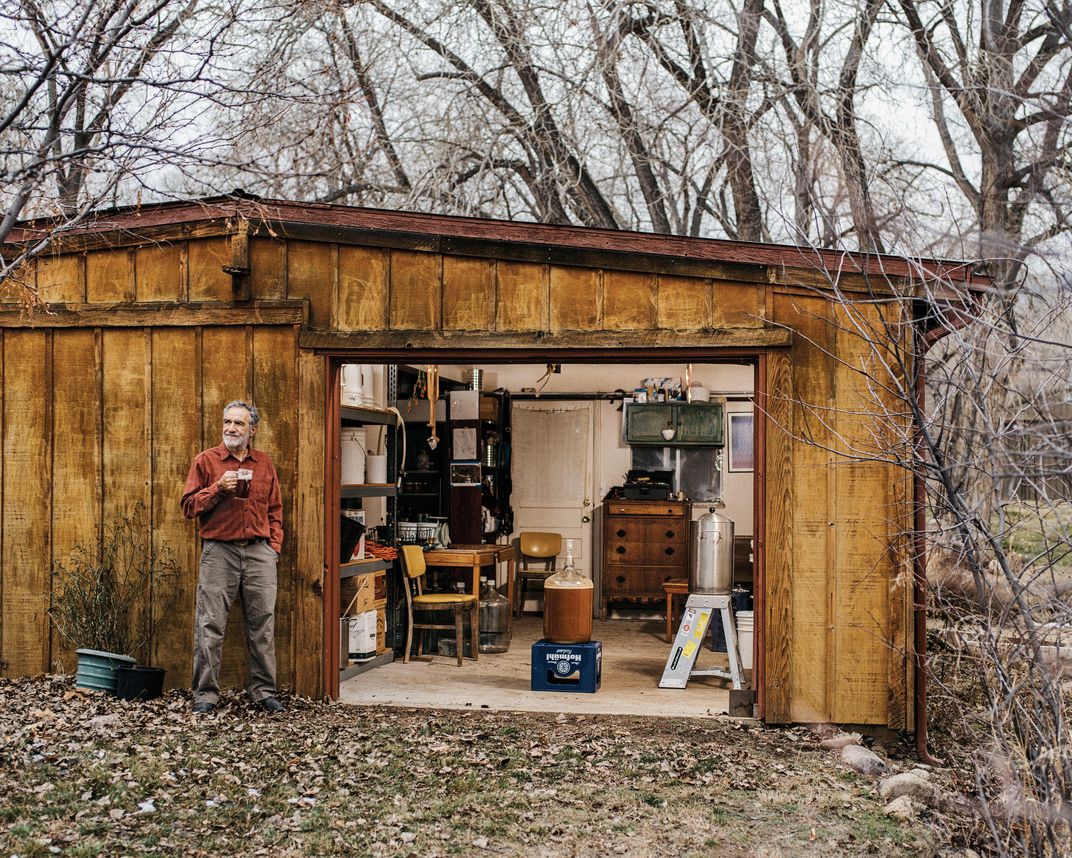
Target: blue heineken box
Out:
[567,667]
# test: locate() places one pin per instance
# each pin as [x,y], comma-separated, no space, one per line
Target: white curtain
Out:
[550,449]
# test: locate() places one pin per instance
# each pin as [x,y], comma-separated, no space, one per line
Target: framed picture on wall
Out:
[742,452]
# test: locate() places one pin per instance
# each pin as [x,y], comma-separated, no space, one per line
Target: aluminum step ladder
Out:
[690,636]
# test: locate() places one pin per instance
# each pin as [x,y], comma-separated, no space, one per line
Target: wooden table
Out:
[477,557]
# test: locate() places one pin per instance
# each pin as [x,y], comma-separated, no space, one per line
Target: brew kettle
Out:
[711,570]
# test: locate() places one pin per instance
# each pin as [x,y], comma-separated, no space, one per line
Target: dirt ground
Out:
[82,774]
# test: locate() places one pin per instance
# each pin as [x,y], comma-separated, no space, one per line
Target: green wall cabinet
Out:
[697,424]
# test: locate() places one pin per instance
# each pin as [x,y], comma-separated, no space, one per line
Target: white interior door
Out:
[551,472]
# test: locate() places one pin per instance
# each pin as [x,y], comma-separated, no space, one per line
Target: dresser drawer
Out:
[649,553]
[666,531]
[672,508]
[643,582]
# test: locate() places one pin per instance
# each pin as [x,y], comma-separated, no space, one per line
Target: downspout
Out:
[950,322]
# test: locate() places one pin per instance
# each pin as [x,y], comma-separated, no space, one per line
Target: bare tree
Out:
[1001,610]
[103,102]
[1003,72]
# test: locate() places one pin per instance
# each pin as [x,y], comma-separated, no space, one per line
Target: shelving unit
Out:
[368,490]
[366,416]
[361,667]
[363,567]
[371,568]
[495,431]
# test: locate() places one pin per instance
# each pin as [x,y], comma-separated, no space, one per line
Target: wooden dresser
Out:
[644,544]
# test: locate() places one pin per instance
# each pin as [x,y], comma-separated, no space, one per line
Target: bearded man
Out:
[233,492]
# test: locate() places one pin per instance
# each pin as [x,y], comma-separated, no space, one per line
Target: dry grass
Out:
[86,775]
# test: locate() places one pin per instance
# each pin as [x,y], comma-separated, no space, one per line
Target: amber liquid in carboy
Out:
[567,614]
[567,604]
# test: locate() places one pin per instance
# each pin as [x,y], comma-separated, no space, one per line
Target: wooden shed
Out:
[155,316]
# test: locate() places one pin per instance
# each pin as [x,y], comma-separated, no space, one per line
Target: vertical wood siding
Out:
[309,567]
[95,420]
[274,387]
[126,415]
[109,276]
[27,488]
[838,602]
[780,629]
[629,302]
[522,297]
[77,455]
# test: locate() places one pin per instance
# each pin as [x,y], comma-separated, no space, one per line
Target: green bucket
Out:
[97,669]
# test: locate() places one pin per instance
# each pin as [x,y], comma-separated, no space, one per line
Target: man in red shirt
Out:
[233,492]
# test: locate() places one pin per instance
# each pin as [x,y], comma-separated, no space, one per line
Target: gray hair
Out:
[254,414]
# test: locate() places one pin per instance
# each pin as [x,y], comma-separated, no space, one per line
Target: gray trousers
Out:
[228,570]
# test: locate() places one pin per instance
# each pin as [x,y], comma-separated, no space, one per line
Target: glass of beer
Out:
[245,480]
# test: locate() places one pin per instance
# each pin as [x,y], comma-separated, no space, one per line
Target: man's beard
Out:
[235,444]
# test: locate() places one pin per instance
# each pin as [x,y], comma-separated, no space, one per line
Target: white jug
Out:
[353,384]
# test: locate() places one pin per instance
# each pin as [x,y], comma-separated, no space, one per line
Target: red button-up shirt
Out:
[221,515]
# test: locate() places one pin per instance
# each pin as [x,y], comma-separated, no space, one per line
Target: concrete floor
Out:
[634,655]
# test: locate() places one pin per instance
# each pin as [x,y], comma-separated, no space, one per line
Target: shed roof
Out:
[449,233]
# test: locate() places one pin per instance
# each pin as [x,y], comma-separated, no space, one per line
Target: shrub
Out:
[112,593]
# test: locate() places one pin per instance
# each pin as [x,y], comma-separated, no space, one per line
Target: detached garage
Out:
[153,318]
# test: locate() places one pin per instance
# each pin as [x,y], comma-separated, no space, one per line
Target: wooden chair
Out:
[673,587]
[540,547]
[414,568]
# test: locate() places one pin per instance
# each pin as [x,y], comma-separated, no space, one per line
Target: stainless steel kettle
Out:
[711,570]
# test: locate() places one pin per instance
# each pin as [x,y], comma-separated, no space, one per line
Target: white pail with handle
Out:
[353,457]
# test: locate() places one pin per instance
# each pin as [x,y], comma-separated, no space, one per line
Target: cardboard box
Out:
[358,636]
[366,594]
[381,629]
[358,592]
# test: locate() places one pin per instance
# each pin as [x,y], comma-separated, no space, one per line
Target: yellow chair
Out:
[540,547]
[414,567]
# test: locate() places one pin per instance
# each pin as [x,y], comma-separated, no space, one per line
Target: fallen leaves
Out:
[331,779]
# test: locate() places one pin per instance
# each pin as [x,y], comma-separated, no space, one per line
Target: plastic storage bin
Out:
[744,638]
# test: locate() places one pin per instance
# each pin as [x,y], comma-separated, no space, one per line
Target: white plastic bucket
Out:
[376,385]
[744,637]
[353,457]
[377,469]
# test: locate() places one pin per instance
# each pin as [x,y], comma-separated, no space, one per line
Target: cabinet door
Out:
[644,422]
[699,423]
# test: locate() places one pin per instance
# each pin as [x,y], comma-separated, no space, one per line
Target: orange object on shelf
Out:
[381,551]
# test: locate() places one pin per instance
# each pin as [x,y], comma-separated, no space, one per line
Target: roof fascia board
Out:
[404,344]
[473,236]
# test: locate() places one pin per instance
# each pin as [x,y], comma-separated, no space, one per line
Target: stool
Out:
[673,587]
[567,667]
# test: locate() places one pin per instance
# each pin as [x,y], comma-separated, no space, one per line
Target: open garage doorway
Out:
[539,446]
